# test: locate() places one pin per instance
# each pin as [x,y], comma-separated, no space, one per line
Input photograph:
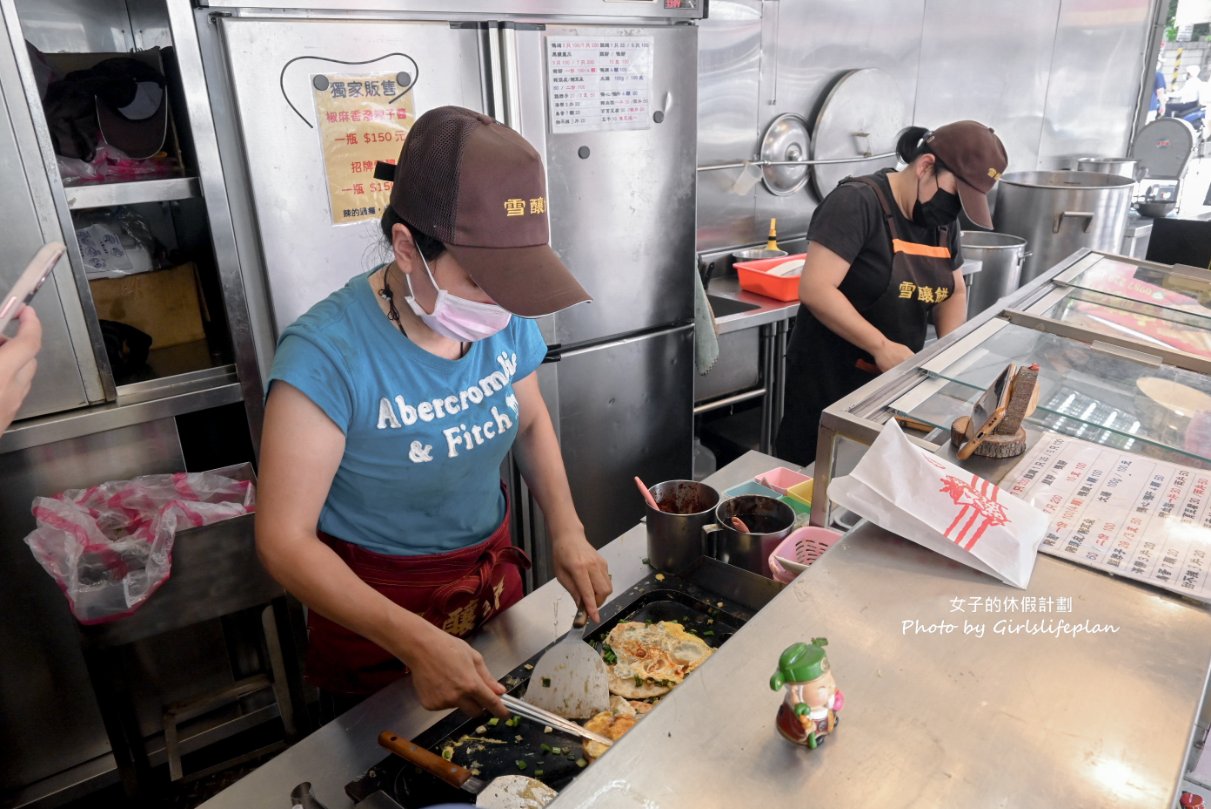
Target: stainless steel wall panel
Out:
[1000,80]
[50,717]
[622,202]
[809,45]
[1059,77]
[729,111]
[1095,77]
[305,255]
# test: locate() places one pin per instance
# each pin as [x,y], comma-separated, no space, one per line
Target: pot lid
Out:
[785,139]
[862,115]
[1163,148]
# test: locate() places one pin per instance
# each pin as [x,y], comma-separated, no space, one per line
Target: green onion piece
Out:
[546,748]
[557,750]
[638,680]
[580,762]
[608,654]
[521,765]
[537,773]
[546,682]
[448,753]
[493,722]
[708,632]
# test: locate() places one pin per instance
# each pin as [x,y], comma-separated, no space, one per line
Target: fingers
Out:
[487,695]
[583,593]
[30,330]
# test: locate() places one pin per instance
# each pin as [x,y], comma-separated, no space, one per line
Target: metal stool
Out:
[215,573]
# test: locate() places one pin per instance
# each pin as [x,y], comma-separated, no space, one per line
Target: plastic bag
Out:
[109,547]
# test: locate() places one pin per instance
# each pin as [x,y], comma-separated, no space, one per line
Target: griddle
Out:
[711,600]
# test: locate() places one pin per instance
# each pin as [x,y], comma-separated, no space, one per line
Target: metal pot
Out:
[1120,166]
[999,258]
[1059,212]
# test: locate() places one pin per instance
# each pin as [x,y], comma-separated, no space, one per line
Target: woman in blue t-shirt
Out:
[392,404]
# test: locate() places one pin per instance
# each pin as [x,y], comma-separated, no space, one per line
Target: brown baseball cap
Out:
[479,188]
[976,156]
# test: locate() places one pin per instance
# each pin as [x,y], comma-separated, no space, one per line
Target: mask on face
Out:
[455,317]
[941,209]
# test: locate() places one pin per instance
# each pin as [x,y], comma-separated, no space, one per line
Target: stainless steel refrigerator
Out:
[620,161]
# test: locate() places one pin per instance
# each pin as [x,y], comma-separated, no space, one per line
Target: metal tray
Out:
[713,601]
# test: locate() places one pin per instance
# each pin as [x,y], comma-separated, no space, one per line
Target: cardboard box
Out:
[164,303]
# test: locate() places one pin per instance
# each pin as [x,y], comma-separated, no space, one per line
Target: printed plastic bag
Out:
[109,547]
[901,487]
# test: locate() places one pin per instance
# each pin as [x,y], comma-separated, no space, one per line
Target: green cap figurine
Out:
[809,710]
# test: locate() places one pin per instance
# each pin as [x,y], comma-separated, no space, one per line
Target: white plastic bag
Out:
[910,492]
[109,547]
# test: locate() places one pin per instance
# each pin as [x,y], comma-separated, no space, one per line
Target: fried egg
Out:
[652,658]
[613,723]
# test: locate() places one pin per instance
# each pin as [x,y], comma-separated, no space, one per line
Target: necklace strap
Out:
[393,312]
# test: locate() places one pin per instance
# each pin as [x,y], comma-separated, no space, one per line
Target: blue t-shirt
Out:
[424,436]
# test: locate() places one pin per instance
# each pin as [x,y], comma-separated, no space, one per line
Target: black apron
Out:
[829,368]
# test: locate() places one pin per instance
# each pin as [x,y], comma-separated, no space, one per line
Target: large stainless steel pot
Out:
[1058,212]
[1120,166]
[998,257]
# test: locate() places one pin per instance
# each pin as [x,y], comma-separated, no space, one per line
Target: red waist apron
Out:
[456,591]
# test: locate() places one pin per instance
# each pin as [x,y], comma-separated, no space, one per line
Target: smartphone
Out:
[988,412]
[31,280]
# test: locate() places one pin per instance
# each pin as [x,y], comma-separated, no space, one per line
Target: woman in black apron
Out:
[883,258]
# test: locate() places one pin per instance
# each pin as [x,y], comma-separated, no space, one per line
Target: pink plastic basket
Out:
[802,547]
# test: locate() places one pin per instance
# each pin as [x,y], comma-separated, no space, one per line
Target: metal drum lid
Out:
[786,139]
[862,116]
[1164,148]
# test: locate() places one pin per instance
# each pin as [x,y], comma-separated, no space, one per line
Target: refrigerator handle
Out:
[554,353]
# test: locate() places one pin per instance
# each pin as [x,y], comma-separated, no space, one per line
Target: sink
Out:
[726,306]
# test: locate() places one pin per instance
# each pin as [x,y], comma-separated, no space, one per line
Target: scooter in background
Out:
[1194,116]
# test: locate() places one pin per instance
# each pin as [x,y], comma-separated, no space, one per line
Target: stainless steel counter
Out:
[342,750]
[933,717]
[765,311]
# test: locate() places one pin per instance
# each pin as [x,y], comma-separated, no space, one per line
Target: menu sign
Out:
[1132,516]
[362,120]
[598,84]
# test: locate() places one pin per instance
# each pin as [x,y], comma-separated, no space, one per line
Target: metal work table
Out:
[342,750]
[771,319]
[944,720]
[939,718]
[768,311]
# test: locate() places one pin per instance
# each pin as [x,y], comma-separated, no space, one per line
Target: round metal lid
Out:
[1163,148]
[786,138]
[862,115]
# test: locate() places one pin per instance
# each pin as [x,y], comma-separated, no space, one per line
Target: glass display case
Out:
[1124,354]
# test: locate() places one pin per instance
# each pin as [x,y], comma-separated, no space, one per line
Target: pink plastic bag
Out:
[109,547]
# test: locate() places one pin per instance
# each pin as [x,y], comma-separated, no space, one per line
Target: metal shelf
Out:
[105,195]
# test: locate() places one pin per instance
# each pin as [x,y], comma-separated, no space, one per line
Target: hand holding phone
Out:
[29,282]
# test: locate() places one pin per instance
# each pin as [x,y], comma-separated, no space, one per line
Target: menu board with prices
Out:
[362,119]
[1133,516]
[599,84]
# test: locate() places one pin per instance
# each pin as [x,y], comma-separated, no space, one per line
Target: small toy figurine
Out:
[809,711]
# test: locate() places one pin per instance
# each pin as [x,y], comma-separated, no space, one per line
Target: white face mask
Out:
[457,318]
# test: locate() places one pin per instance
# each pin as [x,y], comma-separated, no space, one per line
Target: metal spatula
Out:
[570,679]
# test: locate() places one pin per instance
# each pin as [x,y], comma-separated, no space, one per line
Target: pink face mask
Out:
[457,318]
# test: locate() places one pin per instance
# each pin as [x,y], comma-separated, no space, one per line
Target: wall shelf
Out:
[105,195]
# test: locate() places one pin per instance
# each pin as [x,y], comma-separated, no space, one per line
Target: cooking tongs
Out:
[523,708]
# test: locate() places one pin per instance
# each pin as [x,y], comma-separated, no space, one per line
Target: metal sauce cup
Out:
[769,522]
[675,530]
